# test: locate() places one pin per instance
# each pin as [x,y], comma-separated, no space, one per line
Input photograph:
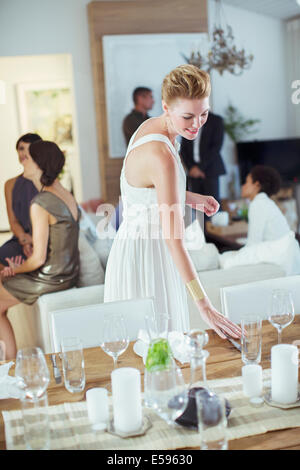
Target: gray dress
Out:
[61,269]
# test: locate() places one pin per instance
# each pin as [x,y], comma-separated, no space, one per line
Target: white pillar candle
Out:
[97,407]
[252,380]
[127,400]
[284,380]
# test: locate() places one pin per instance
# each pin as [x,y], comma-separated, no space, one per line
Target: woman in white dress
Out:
[148,257]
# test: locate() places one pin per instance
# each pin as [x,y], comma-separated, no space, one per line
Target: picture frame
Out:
[46,108]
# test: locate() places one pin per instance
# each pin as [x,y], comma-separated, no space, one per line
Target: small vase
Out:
[159,358]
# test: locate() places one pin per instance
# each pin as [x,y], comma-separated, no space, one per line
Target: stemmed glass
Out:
[282,310]
[114,338]
[32,372]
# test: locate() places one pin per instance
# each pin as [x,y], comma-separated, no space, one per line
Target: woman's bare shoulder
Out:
[160,161]
[9,184]
[151,126]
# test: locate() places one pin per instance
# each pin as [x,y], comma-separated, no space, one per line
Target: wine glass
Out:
[114,339]
[168,393]
[32,372]
[282,310]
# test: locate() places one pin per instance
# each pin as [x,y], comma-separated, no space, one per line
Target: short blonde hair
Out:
[186,81]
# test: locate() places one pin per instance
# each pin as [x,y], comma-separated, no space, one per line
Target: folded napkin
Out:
[9,386]
[176,340]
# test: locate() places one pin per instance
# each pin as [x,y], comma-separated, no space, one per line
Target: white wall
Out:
[35,27]
[60,26]
[293,68]
[262,92]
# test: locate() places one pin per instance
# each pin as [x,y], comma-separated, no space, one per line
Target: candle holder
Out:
[146,425]
[284,374]
[268,400]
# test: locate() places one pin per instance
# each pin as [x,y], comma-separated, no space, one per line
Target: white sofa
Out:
[31,324]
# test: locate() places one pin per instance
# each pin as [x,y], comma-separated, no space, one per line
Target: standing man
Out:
[143,102]
[202,157]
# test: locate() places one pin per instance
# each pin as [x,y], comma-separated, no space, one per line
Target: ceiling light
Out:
[223,54]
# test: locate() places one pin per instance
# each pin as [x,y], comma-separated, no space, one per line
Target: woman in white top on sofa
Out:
[266,221]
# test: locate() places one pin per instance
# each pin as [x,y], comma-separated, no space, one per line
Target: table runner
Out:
[70,427]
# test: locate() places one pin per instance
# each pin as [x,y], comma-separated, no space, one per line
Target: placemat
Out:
[70,428]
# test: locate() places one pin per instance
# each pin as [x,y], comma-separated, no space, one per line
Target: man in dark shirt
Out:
[202,157]
[143,102]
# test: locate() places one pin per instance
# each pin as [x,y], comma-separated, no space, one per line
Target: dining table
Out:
[224,361]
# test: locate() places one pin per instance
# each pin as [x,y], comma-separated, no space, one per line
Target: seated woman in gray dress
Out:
[19,191]
[54,263]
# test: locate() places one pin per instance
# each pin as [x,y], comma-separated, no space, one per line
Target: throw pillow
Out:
[104,243]
[99,236]
[91,271]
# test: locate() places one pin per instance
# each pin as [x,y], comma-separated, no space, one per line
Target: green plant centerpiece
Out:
[160,356]
[236,126]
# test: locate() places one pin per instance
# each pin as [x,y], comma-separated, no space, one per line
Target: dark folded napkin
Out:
[211,412]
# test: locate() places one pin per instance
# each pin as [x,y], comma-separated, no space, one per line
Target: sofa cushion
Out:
[91,271]
[194,238]
[103,244]
[205,256]
[99,234]
[205,259]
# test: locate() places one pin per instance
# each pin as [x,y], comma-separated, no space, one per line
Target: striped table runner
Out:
[70,428]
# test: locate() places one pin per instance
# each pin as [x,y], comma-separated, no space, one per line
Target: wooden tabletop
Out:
[224,361]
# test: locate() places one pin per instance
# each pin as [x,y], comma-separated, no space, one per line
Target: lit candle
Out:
[97,407]
[252,380]
[127,400]
[284,380]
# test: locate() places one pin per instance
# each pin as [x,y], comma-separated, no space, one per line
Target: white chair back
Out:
[254,298]
[86,322]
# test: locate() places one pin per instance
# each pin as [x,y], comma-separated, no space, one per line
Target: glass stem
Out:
[35,404]
[279,335]
[115,358]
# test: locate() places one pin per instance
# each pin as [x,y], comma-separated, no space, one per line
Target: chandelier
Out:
[223,54]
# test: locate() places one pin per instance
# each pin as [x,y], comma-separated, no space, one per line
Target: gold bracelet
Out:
[195,290]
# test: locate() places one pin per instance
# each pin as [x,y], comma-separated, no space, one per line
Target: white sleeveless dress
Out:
[140,264]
